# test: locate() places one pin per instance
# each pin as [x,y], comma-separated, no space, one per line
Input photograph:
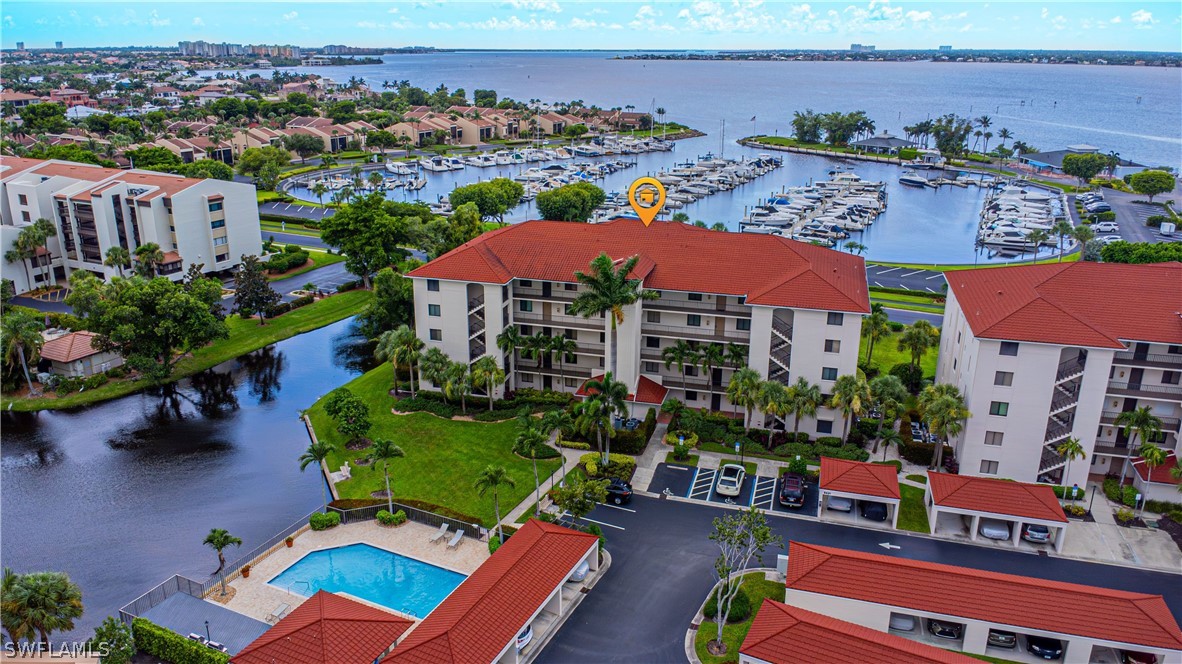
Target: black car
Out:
[1041,646]
[1002,639]
[945,630]
[619,492]
[792,490]
[872,510]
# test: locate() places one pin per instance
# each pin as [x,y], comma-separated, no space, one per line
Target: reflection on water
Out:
[131,486]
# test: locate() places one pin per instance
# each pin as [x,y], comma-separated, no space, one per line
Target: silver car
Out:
[994,529]
[730,480]
[840,504]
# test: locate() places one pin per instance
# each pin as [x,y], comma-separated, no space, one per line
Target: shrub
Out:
[897,327]
[1125,515]
[1064,492]
[427,402]
[629,442]
[385,518]
[911,375]
[574,444]
[283,307]
[674,437]
[897,464]
[1155,220]
[169,646]
[618,465]
[828,441]
[740,607]
[1125,495]
[792,450]
[921,453]
[287,260]
[97,380]
[119,371]
[907,154]
[856,438]
[1162,506]
[595,530]
[322,521]
[1075,510]
[494,543]
[681,452]
[798,466]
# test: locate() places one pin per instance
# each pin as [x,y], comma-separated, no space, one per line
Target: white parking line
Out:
[890,270]
[879,284]
[617,507]
[938,275]
[911,273]
[287,207]
[929,289]
[604,523]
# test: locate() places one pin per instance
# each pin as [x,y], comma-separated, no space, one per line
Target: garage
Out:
[995,509]
[865,487]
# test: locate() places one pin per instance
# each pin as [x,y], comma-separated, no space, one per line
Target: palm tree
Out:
[917,339]
[508,342]
[402,348]
[41,603]
[889,437]
[458,380]
[23,249]
[855,247]
[876,326]
[22,341]
[537,347]
[773,399]
[851,394]
[606,399]
[1083,234]
[1036,237]
[491,479]
[118,257]
[148,256]
[744,390]
[1004,134]
[1070,449]
[711,356]
[608,289]
[803,400]
[736,355]
[487,373]
[1062,228]
[317,452]
[680,353]
[318,190]
[218,539]
[531,440]
[12,617]
[1141,422]
[434,366]
[375,178]
[1153,456]
[40,232]
[384,450]
[888,394]
[943,408]
[562,346]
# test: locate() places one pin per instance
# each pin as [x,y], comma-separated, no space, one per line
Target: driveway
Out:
[885,276]
[662,567]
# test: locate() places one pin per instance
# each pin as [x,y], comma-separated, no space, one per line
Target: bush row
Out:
[285,261]
[322,521]
[169,646]
[503,409]
[618,465]
[281,308]
[386,519]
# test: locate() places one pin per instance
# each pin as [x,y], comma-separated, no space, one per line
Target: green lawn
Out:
[887,355]
[319,259]
[245,336]
[751,467]
[757,589]
[922,479]
[442,458]
[941,267]
[292,228]
[691,460]
[912,515]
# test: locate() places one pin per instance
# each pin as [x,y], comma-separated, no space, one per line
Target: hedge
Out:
[618,465]
[287,260]
[283,307]
[503,409]
[740,607]
[674,438]
[1063,492]
[322,521]
[169,646]
[574,444]
[386,519]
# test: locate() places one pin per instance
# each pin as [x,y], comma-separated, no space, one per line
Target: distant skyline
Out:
[558,24]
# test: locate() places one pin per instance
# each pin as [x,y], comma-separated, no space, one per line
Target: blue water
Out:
[379,576]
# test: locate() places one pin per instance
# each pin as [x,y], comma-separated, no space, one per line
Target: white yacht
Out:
[436,164]
[454,163]
[503,158]
[910,179]
[402,167]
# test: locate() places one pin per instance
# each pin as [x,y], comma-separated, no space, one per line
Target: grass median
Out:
[757,589]
[316,259]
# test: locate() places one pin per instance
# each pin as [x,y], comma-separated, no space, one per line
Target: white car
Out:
[1106,227]
[840,504]
[994,529]
[1109,239]
[525,637]
[730,480]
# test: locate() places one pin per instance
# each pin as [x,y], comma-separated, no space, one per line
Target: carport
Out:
[862,481]
[1018,503]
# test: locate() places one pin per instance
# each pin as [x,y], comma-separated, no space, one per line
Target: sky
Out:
[559,24]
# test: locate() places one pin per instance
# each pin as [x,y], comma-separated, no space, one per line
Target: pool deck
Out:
[256,598]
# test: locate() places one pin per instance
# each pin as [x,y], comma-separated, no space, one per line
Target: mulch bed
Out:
[363,461]
[1086,518]
[379,494]
[1137,522]
[359,444]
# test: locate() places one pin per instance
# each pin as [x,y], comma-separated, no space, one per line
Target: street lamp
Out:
[207,636]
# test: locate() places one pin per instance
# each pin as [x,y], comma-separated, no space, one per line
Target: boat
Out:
[436,164]
[911,179]
[503,158]
[563,153]
[454,163]
[402,167]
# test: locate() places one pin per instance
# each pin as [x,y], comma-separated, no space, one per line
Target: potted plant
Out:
[289,541]
[246,571]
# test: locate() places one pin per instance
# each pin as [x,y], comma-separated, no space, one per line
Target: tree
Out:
[579,495]
[709,357]
[22,341]
[148,257]
[458,381]
[572,202]
[1153,456]
[317,452]
[1151,183]
[118,257]
[888,394]
[606,399]
[874,327]
[304,145]
[607,290]
[24,249]
[680,353]
[851,395]
[385,450]
[744,390]
[492,478]
[943,407]
[1061,229]
[740,536]
[401,347]
[773,399]
[509,341]
[318,190]
[392,304]
[434,366]
[44,119]
[253,293]
[855,247]
[206,169]
[253,161]
[562,346]
[1035,238]
[368,236]
[806,126]
[917,339]
[115,637]
[1084,166]
[531,441]
[146,321]
[889,436]
[153,158]
[803,400]
[219,539]
[1070,449]
[537,347]
[487,373]
[38,604]
[1139,422]
[349,411]
[492,198]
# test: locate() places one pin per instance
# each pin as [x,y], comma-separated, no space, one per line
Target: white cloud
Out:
[368,25]
[916,17]
[392,10]
[1142,19]
[1044,13]
[511,23]
[953,17]
[100,22]
[8,22]
[155,21]
[646,19]
[598,11]
[577,23]
[439,26]
[1115,20]
[550,6]
[289,16]
[1059,22]
[198,22]
[738,16]
[967,27]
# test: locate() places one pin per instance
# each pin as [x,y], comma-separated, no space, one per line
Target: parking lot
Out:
[1131,218]
[296,210]
[885,276]
[701,483]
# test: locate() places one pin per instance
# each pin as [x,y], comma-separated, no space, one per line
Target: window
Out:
[691,395]
[433,285]
[832,346]
[652,342]
[25,216]
[525,305]
[1170,377]
[694,297]
[651,367]
[693,320]
[220,223]
[1174,350]
[433,310]
[571,334]
[828,373]
[653,316]
[824,426]
[1003,378]
[835,318]
[1009,348]
[219,241]
[526,330]
[602,337]
[221,258]
[566,309]
[24,200]
[601,363]
[215,207]
[988,467]
[572,382]
[570,287]
[526,283]
[1000,408]
[993,438]
[691,370]
[527,378]
[435,334]
[743,324]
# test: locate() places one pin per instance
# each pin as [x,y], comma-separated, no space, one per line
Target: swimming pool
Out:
[379,576]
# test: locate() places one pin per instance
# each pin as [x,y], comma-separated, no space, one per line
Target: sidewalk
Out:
[1105,541]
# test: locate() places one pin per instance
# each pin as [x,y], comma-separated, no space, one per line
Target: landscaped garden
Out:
[912,515]
[754,590]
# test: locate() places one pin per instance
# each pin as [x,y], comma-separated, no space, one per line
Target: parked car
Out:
[525,637]
[1036,534]
[1046,648]
[580,572]
[839,504]
[945,630]
[1106,227]
[1098,206]
[730,480]
[1109,239]
[619,491]
[994,529]
[1131,657]
[872,510]
[1002,639]
[1089,197]
[902,623]
[792,490]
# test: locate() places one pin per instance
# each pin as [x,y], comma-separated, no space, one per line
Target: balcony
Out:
[1142,390]
[556,295]
[697,333]
[531,318]
[1168,424]
[1172,361]
[696,307]
[570,371]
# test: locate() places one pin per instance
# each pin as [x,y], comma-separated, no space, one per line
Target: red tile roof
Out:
[768,270]
[326,629]
[868,479]
[70,347]
[1078,304]
[647,390]
[1159,474]
[1006,599]
[782,633]
[487,611]
[1001,497]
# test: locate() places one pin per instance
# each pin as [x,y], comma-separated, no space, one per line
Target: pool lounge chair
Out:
[278,613]
[456,539]
[439,534]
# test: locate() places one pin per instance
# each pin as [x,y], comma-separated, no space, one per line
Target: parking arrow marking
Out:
[888,545]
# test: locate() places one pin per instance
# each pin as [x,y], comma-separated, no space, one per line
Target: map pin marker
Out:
[647,197]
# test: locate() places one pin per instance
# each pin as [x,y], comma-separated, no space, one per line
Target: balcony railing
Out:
[702,333]
[1168,424]
[556,295]
[1056,433]
[694,307]
[1167,360]
[1171,392]
[782,330]
[1050,460]
[1063,403]
[475,303]
[530,318]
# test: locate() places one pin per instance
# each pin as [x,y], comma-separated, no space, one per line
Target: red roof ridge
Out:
[1039,297]
[865,471]
[945,486]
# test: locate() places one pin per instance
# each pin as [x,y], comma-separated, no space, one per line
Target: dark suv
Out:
[792,490]
[619,492]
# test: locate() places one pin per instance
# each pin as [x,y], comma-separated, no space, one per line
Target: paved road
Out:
[294,238]
[296,210]
[662,569]
[901,277]
[907,317]
[1131,217]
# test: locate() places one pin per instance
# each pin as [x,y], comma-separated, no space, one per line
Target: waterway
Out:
[120,495]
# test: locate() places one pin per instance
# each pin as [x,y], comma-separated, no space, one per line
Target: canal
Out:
[120,495]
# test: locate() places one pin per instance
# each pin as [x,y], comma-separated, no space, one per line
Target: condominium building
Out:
[211,222]
[1043,353]
[794,308]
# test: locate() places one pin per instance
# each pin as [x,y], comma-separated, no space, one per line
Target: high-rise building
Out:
[862,48]
[57,45]
[20,46]
[946,48]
